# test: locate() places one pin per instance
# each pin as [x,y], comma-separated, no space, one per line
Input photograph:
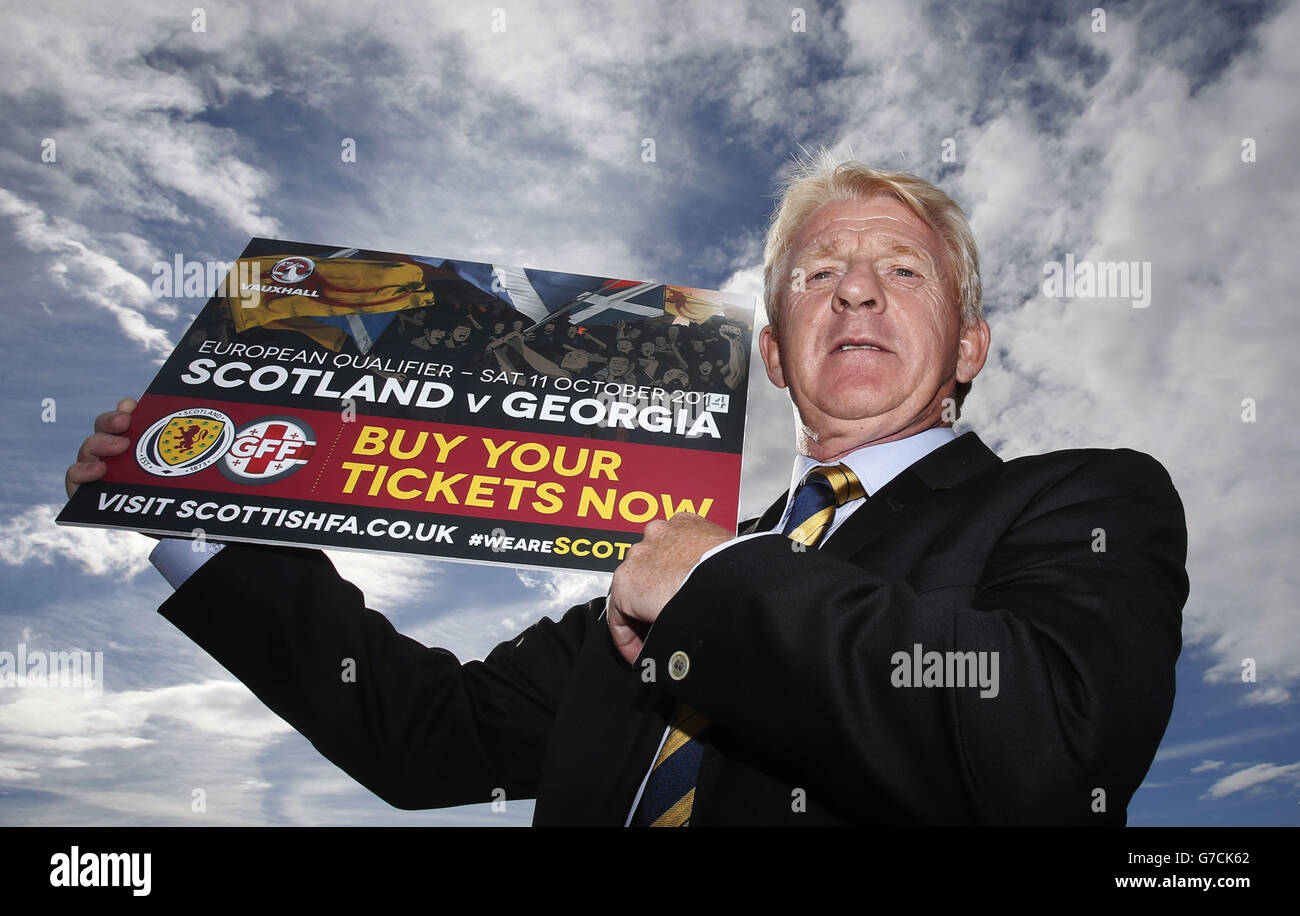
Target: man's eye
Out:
[904,272]
[819,274]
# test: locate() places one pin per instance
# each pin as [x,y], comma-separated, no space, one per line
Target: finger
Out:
[83,472]
[622,634]
[102,445]
[113,421]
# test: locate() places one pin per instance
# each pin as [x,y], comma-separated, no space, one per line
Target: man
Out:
[919,633]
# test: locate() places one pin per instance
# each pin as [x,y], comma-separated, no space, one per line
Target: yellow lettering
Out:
[397,477]
[550,492]
[480,491]
[496,451]
[370,441]
[355,470]
[606,463]
[590,500]
[414,451]
[445,447]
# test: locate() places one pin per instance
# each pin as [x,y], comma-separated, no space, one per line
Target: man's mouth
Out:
[859,344]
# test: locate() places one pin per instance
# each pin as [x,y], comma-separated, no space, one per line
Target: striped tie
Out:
[823,491]
[670,791]
[669,794]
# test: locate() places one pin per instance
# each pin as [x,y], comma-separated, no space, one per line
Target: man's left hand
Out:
[651,573]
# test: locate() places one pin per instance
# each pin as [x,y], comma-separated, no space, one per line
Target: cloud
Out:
[1268,696]
[32,537]
[1199,747]
[1207,765]
[49,728]
[388,582]
[79,268]
[1254,777]
[561,589]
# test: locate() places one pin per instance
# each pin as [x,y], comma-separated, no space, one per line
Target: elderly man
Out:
[917,632]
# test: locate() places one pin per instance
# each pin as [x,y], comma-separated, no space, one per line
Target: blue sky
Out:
[524,146]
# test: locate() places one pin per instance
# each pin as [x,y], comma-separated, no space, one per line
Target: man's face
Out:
[575,360]
[697,346]
[873,275]
[435,335]
[460,333]
[647,349]
[624,345]
[618,365]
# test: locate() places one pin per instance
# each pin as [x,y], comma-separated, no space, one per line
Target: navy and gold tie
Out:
[823,490]
[669,794]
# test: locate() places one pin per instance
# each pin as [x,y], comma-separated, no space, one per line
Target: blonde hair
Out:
[820,178]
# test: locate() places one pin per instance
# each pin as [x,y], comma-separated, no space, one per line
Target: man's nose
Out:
[859,287]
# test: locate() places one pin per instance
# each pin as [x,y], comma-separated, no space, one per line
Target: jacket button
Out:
[678,664]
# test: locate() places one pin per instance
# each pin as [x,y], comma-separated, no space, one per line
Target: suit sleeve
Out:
[799,655]
[409,722]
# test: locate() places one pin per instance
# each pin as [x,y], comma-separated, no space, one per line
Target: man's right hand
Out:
[107,440]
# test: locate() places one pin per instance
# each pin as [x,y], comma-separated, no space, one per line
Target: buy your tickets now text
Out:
[412,480]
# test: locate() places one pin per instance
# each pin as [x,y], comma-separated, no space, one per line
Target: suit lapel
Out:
[942,469]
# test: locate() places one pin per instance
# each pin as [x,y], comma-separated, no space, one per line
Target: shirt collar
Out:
[877,465]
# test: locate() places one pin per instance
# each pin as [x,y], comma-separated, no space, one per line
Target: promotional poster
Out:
[409,404]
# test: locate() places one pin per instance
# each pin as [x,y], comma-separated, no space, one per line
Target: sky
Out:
[1161,134]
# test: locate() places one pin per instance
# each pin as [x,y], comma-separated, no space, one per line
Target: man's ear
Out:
[972,350]
[771,353]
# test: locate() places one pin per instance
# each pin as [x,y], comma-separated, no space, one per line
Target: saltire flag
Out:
[544,295]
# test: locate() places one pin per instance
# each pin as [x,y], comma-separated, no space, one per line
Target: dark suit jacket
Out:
[791,655]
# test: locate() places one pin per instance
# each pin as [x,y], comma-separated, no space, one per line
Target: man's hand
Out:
[108,439]
[651,573]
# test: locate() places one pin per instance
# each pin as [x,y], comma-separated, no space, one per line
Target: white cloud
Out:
[81,270]
[1228,739]
[1207,765]
[1253,777]
[561,589]
[387,581]
[1268,696]
[135,756]
[32,537]
[67,719]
